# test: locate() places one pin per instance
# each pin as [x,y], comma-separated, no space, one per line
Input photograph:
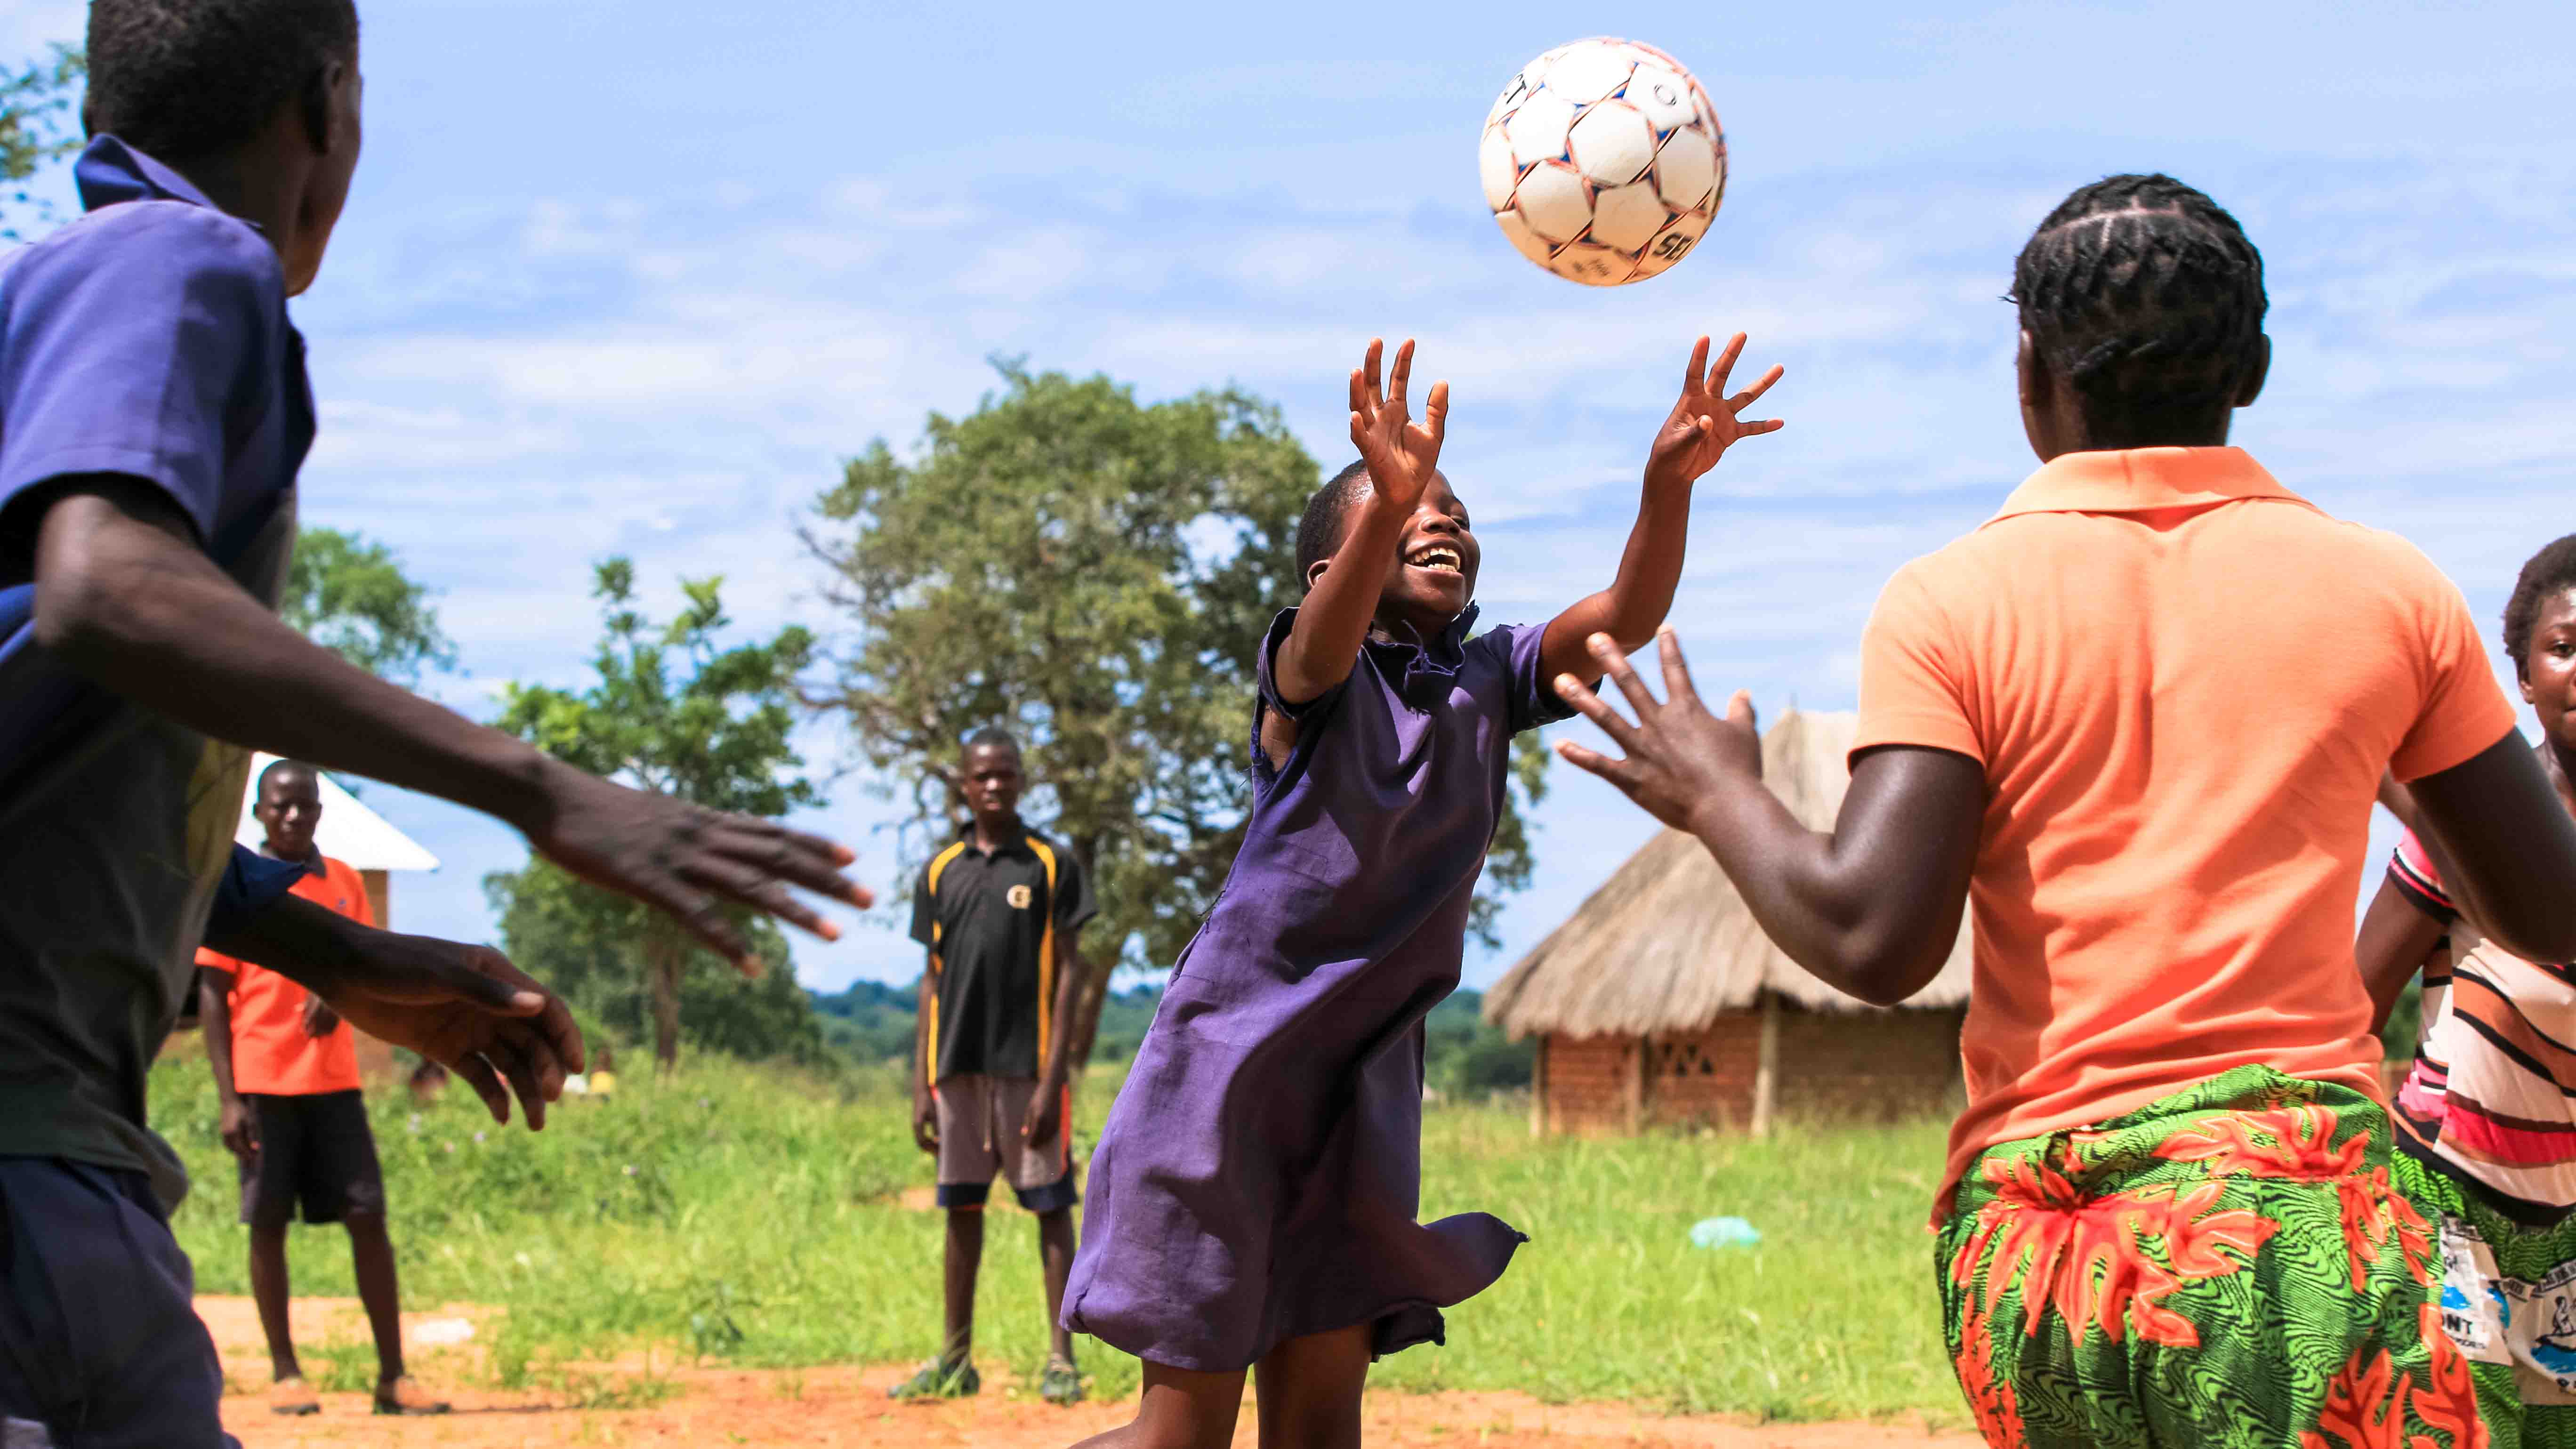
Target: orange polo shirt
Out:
[2183,681]
[272,1053]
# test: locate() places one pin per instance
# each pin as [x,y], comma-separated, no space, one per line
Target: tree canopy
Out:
[349,594]
[37,127]
[670,711]
[1095,574]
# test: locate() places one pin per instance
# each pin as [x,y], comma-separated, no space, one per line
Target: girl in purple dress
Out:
[1254,1191]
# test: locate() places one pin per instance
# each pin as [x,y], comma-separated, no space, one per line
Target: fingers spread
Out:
[1372,396]
[1402,376]
[1677,677]
[1614,663]
[1739,710]
[1738,402]
[1589,705]
[1697,368]
[1614,771]
[1435,412]
[803,860]
[1725,363]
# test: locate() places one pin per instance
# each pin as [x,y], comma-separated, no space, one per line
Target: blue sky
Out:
[633,276]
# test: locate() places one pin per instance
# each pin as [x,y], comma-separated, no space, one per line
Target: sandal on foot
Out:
[293,1396]
[1061,1383]
[938,1380]
[405,1396]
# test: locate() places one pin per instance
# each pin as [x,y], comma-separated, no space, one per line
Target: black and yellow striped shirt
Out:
[996,927]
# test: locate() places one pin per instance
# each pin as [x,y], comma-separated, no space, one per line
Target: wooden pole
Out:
[1538,1085]
[1766,1066]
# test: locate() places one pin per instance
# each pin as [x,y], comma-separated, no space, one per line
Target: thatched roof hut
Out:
[1661,999]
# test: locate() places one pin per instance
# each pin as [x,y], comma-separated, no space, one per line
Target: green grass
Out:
[749,1215]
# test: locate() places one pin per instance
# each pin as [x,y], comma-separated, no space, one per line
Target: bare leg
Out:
[1179,1409]
[1055,1251]
[1310,1390]
[965,1260]
[371,1251]
[268,1288]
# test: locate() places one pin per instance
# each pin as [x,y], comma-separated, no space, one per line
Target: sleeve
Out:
[2412,871]
[1533,700]
[924,912]
[2464,709]
[1311,711]
[251,883]
[218,961]
[1914,684]
[127,347]
[1074,905]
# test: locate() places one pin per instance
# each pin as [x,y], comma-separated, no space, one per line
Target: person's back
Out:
[2152,651]
[2137,721]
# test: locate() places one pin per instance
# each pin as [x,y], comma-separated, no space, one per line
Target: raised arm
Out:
[2508,847]
[1401,455]
[1871,907]
[465,1007]
[1702,426]
[125,596]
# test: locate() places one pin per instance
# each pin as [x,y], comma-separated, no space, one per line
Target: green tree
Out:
[349,594]
[37,127]
[1095,574]
[671,712]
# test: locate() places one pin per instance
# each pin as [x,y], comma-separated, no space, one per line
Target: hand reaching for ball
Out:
[1401,454]
[1704,421]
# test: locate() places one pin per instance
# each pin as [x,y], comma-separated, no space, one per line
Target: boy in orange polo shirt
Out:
[287,1070]
[2137,722]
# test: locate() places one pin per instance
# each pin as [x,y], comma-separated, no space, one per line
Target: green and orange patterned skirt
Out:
[2227,1266]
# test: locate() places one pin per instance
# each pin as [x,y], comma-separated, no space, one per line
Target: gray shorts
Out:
[100,1346]
[980,1120]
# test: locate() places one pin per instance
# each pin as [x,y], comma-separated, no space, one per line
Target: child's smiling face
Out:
[1432,577]
[2549,668]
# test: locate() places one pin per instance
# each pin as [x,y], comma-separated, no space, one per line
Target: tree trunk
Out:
[1095,982]
[662,959]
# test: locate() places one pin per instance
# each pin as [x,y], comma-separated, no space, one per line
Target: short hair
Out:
[2550,571]
[1319,532]
[288,769]
[2148,298]
[992,737]
[188,78]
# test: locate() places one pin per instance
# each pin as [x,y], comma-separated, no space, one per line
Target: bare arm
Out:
[1401,455]
[464,1006]
[2396,939]
[215,1020]
[1044,1119]
[2508,847]
[1702,426]
[1871,908]
[125,597]
[925,1108]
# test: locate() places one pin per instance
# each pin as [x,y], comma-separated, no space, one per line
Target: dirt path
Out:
[848,1407]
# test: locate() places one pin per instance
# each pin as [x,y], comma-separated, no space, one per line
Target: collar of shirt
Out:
[2143,480]
[1440,655]
[110,171]
[1016,843]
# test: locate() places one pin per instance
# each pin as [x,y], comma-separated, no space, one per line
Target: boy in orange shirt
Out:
[2137,722]
[287,1069]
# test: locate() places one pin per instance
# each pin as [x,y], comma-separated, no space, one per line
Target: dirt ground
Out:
[847,1407]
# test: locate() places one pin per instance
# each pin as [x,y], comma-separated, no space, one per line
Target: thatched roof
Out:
[1666,944]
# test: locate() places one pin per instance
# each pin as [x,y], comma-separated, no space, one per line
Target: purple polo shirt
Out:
[148,339]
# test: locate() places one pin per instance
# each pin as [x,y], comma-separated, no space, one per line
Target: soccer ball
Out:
[1603,161]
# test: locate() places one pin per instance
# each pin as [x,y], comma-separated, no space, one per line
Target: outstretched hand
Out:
[1677,755]
[1401,454]
[690,862]
[1704,422]
[467,1008]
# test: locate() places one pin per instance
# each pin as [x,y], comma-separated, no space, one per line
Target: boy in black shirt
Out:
[1000,911]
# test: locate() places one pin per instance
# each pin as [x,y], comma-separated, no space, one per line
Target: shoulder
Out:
[938,865]
[158,244]
[343,874]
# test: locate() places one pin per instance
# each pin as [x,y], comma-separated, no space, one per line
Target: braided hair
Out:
[2145,295]
[1319,533]
[2550,571]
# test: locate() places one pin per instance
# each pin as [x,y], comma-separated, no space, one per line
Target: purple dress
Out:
[1258,1177]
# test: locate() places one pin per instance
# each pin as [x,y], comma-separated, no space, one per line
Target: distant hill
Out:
[872,1022]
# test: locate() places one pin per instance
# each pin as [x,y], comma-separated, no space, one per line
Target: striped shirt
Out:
[2491,1099]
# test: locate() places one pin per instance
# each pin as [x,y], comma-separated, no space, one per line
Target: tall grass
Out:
[753,1215]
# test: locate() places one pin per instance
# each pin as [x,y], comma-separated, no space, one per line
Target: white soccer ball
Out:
[1603,161]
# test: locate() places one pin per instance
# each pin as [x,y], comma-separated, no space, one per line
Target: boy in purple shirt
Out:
[153,413]
[1254,1194]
